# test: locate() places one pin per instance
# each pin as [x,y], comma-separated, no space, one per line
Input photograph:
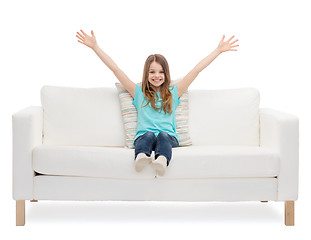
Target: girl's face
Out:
[156,75]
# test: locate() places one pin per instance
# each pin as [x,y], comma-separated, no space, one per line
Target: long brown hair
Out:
[149,92]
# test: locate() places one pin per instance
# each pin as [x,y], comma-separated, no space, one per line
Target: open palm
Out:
[87,40]
[225,46]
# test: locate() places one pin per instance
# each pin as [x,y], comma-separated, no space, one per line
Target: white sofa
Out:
[72,148]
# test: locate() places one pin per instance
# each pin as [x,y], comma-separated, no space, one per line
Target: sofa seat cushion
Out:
[84,161]
[223,162]
[190,162]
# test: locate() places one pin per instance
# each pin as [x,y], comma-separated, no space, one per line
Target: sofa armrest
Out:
[27,133]
[280,132]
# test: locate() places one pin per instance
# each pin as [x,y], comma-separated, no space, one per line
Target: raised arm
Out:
[223,46]
[90,41]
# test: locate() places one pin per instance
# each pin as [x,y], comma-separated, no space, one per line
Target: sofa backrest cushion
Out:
[224,117]
[92,117]
[81,116]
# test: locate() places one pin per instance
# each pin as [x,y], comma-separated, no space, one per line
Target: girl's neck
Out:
[156,89]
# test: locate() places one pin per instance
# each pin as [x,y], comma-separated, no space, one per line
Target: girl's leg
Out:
[145,144]
[164,145]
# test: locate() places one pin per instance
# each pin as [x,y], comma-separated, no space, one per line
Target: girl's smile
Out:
[156,75]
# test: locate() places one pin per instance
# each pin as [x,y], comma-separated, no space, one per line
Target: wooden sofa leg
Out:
[289,213]
[20,212]
[33,200]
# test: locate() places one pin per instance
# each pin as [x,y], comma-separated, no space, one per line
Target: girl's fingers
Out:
[81,42]
[235,41]
[83,33]
[230,38]
[80,35]
[234,46]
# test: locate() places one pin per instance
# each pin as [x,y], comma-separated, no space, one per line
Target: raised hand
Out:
[87,40]
[225,46]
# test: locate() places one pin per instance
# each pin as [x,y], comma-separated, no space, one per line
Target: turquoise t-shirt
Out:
[151,120]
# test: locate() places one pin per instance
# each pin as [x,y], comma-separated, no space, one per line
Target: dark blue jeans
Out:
[162,145]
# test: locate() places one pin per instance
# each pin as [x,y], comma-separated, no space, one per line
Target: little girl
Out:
[155,101]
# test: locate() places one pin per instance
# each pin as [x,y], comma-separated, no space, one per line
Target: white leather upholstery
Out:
[280,131]
[188,162]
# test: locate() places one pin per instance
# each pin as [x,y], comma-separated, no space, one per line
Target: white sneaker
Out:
[160,165]
[141,161]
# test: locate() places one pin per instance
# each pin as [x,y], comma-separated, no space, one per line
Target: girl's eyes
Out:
[153,72]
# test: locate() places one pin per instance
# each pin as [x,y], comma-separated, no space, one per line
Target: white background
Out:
[39,47]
